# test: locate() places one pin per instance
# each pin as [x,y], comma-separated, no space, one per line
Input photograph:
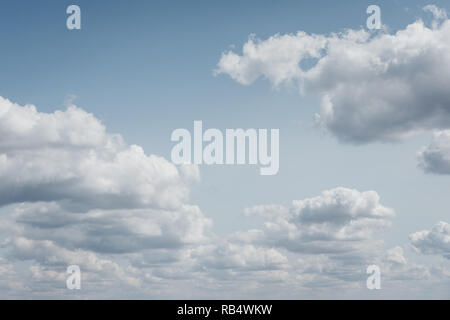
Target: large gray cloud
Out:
[373,87]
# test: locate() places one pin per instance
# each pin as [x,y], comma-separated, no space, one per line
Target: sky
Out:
[87,177]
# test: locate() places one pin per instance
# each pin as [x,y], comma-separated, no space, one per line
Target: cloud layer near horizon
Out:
[71,193]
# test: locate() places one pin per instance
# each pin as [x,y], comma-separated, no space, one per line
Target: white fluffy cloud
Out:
[434,241]
[435,158]
[339,220]
[229,255]
[329,240]
[276,58]
[372,86]
[67,155]
[395,255]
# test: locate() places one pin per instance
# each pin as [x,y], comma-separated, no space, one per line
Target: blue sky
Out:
[145,68]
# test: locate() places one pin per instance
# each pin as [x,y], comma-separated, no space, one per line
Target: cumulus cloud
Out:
[435,158]
[67,155]
[337,221]
[373,87]
[434,241]
[329,240]
[276,58]
[395,255]
[396,267]
[228,255]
